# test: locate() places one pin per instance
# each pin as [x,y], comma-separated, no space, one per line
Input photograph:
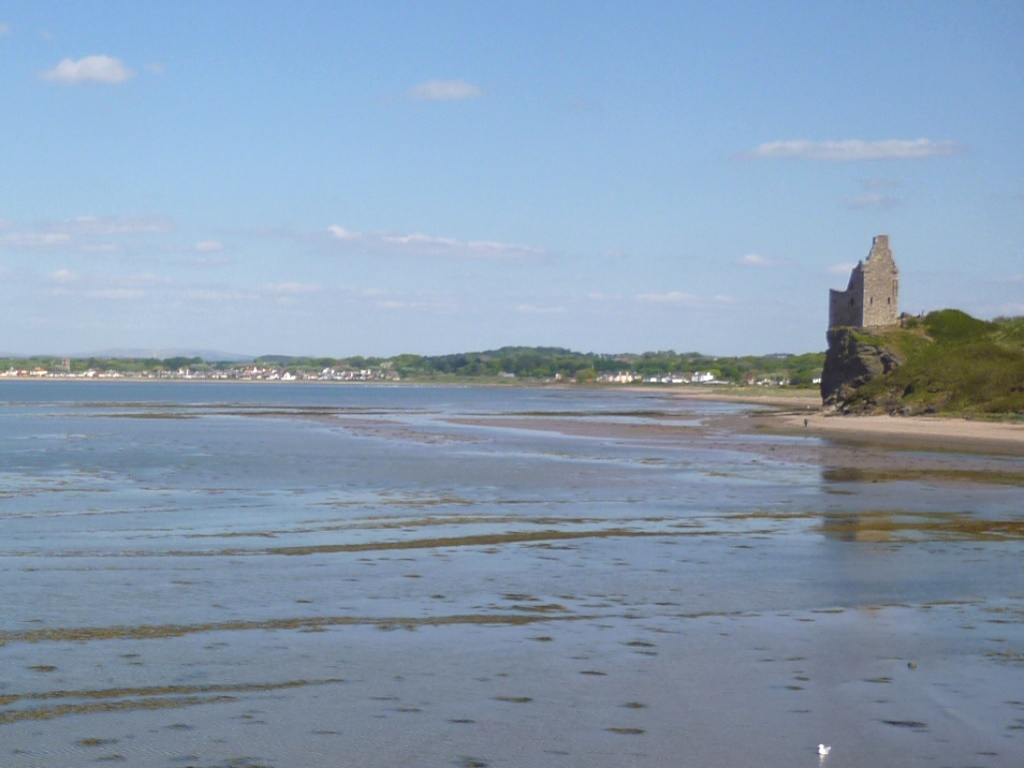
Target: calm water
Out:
[260,575]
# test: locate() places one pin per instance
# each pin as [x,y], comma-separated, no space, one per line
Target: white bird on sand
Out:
[823,750]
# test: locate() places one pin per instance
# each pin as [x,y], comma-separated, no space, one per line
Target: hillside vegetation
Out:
[526,364]
[551,362]
[952,364]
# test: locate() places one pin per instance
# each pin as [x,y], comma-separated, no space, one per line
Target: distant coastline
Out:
[530,364]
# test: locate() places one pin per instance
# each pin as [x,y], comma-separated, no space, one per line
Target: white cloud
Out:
[418,239]
[62,276]
[679,298]
[5,29]
[756,260]
[854,149]
[155,67]
[341,233]
[209,246]
[91,69]
[446,246]
[428,245]
[446,90]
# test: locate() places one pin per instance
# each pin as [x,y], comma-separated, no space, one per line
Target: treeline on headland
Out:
[506,363]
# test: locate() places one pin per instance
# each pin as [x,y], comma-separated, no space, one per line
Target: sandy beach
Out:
[801,412]
[931,432]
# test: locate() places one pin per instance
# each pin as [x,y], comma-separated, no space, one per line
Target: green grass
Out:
[954,364]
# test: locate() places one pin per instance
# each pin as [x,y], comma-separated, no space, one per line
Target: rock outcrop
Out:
[853,359]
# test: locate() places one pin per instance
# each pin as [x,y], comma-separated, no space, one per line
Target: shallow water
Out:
[235,575]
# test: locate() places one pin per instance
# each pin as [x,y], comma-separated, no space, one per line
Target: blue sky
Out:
[432,177]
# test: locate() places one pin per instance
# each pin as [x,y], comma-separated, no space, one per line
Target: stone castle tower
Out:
[871,298]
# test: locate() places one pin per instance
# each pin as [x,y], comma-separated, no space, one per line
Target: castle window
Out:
[871,300]
[851,302]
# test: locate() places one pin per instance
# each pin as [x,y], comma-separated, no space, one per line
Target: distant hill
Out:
[209,355]
[945,363]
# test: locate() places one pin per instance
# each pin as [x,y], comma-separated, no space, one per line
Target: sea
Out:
[236,575]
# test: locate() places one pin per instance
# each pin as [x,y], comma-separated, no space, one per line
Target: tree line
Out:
[531,363]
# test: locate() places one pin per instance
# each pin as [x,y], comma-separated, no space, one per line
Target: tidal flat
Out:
[255,575]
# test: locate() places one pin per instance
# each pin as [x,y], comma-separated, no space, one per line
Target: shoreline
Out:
[800,413]
[874,442]
[787,412]
[943,433]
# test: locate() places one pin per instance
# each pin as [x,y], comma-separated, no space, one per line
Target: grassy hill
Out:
[952,364]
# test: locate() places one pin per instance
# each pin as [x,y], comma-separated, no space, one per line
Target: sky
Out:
[339,179]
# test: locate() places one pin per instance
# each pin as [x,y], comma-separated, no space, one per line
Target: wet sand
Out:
[897,446]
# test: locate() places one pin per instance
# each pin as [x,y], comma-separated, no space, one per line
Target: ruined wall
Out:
[881,285]
[847,307]
[872,297]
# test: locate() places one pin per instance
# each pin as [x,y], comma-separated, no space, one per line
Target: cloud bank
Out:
[853,150]
[91,69]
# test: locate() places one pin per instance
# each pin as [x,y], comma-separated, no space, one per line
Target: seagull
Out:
[823,750]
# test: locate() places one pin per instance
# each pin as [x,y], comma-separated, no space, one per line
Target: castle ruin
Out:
[870,299]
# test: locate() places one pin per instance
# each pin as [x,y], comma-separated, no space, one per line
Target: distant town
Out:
[505,365]
[262,373]
[242,373]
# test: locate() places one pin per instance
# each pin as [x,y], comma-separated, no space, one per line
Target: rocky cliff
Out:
[853,359]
